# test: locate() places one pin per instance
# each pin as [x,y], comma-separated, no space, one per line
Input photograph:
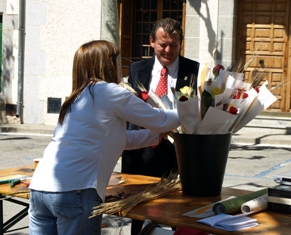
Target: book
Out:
[230,222]
[279,199]
[277,207]
[280,191]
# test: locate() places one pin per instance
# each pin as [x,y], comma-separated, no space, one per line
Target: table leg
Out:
[15,219]
[1,217]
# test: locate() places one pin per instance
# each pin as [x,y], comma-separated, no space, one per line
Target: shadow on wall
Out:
[213,38]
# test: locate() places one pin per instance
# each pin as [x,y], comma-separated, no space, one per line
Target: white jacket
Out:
[84,150]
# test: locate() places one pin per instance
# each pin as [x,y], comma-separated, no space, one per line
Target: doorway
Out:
[263,34]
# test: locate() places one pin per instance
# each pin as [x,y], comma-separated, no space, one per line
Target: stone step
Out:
[268,124]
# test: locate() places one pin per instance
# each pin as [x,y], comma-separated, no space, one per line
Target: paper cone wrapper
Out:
[216,121]
[189,116]
[229,82]
[264,99]
[252,94]
[238,76]
[237,103]
[223,98]
[202,77]
[221,79]
[210,86]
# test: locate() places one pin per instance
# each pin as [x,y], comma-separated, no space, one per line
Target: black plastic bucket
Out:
[201,161]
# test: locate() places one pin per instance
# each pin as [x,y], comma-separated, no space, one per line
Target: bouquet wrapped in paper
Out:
[188,110]
[225,102]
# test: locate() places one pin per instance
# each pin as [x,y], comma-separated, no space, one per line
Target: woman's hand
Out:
[165,135]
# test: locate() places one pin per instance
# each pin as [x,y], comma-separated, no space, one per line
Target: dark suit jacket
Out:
[161,160]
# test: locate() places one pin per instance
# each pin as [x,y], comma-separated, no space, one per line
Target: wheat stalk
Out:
[192,83]
[140,86]
[240,68]
[258,76]
[164,186]
[279,85]
[128,87]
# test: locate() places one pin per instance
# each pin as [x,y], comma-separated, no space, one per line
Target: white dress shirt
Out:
[171,76]
[84,150]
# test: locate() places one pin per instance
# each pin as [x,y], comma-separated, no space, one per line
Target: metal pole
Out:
[21,35]
[110,25]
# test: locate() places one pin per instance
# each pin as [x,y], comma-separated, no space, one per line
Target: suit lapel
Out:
[144,73]
[182,79]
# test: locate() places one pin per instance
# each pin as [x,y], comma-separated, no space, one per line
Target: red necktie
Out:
[162,87]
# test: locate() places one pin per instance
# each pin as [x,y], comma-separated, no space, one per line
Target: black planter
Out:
[201,161]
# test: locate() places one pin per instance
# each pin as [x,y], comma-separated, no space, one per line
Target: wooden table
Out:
[169,209]
[5,189]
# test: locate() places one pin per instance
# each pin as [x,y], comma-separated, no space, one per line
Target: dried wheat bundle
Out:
[280,85]
[128,87]
[163,187]
[141,87]
[240,67]
[258,76]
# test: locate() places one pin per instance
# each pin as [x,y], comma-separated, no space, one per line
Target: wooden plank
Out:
[6,189]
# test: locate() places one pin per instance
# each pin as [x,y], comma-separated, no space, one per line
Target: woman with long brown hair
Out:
[89,138]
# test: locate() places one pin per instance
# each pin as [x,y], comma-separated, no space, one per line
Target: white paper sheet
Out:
[216,121]
[264,99]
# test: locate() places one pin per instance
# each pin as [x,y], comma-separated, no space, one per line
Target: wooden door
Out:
[263,33]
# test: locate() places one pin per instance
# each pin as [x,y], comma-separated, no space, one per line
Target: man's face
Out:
[166,46]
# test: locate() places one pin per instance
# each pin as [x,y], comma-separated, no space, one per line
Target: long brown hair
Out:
[93,62]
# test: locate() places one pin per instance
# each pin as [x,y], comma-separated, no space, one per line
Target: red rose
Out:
[237,95]
[216,69]
[257,89]
[144,96]
[233,110]
[183,98]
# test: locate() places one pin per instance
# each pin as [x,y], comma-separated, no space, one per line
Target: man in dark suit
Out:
[166,39]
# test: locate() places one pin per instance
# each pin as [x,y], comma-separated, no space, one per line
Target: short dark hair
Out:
[170,26]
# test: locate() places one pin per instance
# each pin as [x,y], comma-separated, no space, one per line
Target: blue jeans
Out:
[64,213]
